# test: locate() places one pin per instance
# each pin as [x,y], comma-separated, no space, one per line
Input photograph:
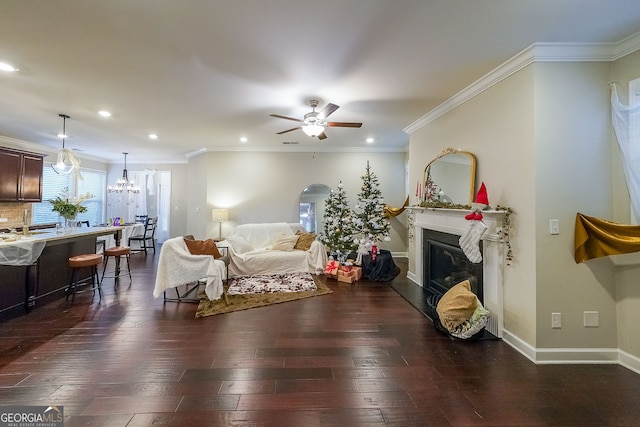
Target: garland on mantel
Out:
[506,231]
[445,205]
[506,221]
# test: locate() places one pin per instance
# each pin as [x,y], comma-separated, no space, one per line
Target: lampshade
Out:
[313,129]
[64,164]
[220,215]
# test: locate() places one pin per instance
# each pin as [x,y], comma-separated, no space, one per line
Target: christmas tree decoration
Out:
[369,218]
[338,233]
[431,190]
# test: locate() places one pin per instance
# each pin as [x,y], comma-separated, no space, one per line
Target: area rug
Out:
[264,284]
[237,302]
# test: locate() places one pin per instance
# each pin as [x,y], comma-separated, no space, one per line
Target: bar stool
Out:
[82,261]
[116,252]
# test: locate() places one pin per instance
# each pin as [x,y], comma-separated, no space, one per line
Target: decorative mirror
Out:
[312,207]
[449,179]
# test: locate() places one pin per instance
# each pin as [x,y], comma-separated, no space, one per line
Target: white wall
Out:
[545,148]
[496,126]
[573,174]
[266,187]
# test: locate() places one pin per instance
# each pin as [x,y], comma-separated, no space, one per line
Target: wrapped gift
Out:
[346,267]
[354,274]
[358,272]
[346,277]
[332,268]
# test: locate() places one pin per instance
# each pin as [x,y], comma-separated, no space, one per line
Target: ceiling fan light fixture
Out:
[313,129]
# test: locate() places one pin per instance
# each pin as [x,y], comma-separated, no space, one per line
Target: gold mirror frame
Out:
[454,179]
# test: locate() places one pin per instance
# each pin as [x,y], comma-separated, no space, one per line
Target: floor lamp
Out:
[220,215]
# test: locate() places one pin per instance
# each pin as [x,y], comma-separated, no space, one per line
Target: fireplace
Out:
[446,265]
[447,225]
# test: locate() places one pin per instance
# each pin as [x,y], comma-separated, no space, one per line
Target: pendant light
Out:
[64,164]
[123,184]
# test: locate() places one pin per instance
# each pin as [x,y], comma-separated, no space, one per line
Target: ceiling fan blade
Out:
[326,111]
[288,130]
[344,124]
[322,136]
[284,117]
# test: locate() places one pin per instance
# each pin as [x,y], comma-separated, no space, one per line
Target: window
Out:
[93,182]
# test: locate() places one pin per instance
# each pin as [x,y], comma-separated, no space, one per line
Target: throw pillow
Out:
[239,244]
[284,242]
[475,324]
[457,305]
[202,247]
[304,240]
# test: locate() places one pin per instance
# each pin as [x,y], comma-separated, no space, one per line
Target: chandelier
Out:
[123,184]
[65,161]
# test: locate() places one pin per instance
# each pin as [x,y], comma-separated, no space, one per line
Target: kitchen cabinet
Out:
[20,176]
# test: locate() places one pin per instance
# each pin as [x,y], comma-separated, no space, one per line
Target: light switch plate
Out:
[554,226]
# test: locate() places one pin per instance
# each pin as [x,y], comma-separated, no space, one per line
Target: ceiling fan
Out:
[314,122]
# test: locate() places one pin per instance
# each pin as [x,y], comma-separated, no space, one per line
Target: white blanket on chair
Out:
[177,266]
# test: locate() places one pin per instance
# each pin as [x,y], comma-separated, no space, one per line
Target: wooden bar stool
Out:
[116,252]
[82,261]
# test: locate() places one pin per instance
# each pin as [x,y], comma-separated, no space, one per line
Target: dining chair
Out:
[141,219]
[146,240]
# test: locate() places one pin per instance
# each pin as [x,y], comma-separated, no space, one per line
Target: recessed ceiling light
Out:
[243,139]
[370,140]
[153,136]
[7,67]
[104,113]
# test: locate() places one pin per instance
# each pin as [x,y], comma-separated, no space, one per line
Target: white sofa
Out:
[251,251]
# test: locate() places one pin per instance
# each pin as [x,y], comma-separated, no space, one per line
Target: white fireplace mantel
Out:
[452,221]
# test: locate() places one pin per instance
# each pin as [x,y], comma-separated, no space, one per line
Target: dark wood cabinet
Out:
[20,176]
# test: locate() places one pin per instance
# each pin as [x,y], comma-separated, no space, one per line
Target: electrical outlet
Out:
[591,319]
[556,320]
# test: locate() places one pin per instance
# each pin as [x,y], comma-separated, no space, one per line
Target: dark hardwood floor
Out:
[362,356]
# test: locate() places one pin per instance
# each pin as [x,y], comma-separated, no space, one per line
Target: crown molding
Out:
[537,52]
[26,146]
[19,144]
[319,148]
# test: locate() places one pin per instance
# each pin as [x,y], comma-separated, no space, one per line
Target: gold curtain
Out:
[595,237]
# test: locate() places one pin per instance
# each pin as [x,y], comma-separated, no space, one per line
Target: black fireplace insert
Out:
[446,265]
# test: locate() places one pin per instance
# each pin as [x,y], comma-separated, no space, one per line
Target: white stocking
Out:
[470,241]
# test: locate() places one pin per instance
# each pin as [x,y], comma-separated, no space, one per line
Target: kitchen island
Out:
[28,279]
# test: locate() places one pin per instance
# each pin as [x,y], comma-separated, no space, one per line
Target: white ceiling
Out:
[203,73]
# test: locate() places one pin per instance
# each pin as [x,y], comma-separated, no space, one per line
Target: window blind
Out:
[93,181]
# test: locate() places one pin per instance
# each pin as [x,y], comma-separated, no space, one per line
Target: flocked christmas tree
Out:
[369,219]
[338,233]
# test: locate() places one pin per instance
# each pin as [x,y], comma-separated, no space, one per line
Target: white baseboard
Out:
[400,254]
[630,361]
[519,345]
[411,276]
[556,356]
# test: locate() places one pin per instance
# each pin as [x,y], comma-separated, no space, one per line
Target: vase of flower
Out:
[69,207]
[70,222]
